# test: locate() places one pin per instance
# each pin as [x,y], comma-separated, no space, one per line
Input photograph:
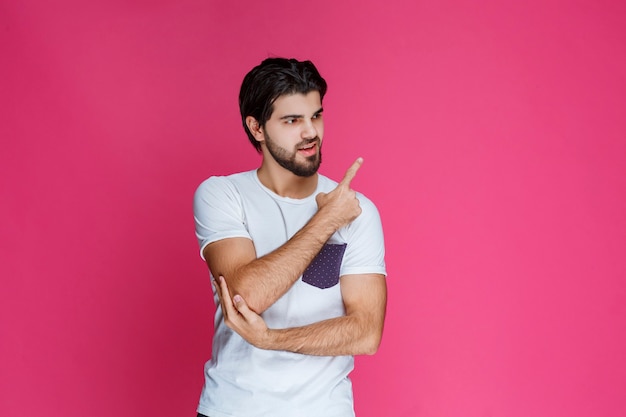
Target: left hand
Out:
[239,317]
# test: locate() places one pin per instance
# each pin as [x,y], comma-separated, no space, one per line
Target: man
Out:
[296,258]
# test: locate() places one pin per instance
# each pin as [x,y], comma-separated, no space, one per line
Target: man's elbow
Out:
[252,299]
[371,343]
[255,302]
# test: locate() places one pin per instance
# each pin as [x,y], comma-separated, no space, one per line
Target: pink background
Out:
[494,138]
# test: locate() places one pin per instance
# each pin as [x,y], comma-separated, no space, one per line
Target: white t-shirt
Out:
[242,380]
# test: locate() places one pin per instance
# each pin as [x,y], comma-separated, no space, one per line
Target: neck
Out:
[284,182]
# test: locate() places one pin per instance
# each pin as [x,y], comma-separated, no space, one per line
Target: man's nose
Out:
[309,130]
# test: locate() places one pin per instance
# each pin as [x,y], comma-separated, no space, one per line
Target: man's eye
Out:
[317,116]
[290,121]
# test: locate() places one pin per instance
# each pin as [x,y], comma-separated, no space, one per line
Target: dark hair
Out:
[273,78]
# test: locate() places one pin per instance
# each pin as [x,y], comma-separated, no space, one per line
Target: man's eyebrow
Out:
[292,116]
[299,116]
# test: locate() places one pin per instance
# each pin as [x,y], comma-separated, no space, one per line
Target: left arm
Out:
[358,332]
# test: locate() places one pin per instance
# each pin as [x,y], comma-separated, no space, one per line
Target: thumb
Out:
[240,304]
[319,198]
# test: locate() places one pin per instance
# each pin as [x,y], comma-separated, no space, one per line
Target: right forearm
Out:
[265,279]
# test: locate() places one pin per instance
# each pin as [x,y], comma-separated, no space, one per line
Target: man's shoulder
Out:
[226,181]
[235,177]
[325,182]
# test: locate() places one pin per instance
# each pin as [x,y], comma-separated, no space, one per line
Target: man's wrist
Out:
[266,342]
[324,221]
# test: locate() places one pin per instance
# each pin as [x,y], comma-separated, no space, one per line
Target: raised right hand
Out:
[341,205]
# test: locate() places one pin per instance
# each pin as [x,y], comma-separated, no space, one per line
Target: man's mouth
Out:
[308,146]
[308,149]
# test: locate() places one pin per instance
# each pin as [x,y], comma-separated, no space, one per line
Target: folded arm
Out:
[358,332]
[262,281]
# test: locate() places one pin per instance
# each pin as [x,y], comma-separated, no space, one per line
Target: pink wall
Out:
[494,146]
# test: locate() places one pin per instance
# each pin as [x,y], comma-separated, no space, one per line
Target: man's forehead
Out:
[297,103]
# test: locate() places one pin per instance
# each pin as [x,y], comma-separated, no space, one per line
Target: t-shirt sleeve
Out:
[218,212]
[365,253]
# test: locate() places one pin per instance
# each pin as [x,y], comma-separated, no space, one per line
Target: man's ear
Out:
[255,128]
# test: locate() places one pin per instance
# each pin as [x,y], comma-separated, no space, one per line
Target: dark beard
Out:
[288,160]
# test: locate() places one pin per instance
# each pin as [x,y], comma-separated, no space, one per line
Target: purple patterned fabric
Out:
[323,272]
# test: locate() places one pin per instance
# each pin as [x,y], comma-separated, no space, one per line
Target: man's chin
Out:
[306,170]
[305,173]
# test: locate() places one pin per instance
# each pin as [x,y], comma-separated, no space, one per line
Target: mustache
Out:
[308,142]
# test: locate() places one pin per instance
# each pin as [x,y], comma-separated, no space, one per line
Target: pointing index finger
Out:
[351,172]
